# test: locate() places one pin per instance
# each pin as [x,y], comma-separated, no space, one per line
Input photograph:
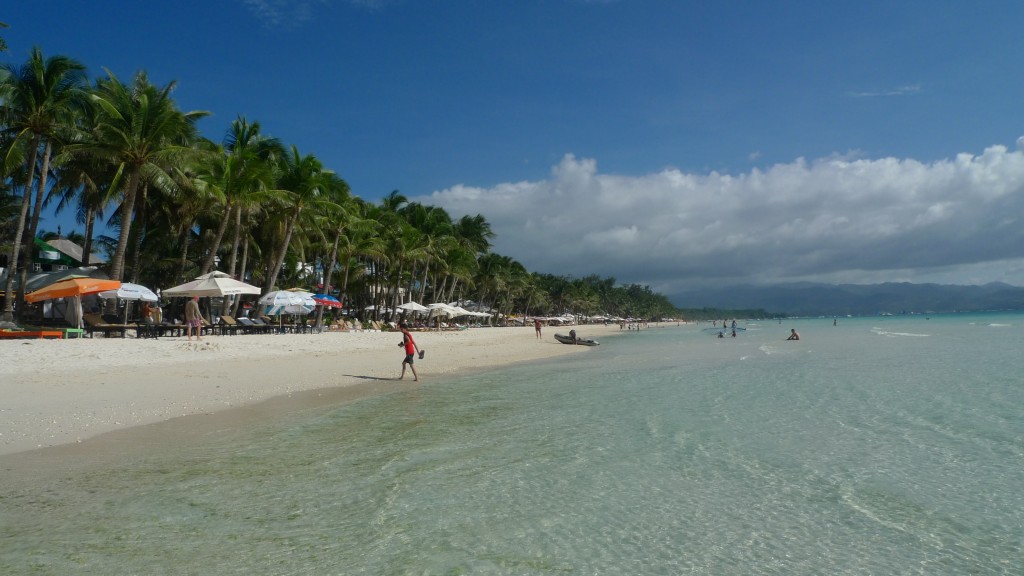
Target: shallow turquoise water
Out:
[879,446]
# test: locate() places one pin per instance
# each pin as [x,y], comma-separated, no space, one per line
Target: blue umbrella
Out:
[327,300]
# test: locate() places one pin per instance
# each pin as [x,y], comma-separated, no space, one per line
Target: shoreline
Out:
[64,392]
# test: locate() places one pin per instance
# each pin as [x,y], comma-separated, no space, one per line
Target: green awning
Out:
[47,254]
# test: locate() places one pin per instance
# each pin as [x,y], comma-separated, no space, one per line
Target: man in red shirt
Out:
[410,352]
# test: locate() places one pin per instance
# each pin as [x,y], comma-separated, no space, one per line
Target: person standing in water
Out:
[793,335]
[410,352]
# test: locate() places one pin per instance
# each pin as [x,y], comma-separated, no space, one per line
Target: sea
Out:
[884,445]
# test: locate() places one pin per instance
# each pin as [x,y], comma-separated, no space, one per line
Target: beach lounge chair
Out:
[268,324]
[228,325]
[143,330]
[207,327]
[246,325]
[257,324]
[97,323]
[173,328]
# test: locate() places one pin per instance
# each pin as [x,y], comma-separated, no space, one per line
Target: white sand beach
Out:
[55,392]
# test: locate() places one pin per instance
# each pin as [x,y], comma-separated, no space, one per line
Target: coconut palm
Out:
[39,102]
[436,225]
[360,243]
[475,232]
[245,139]
[83,185]
[139,126]
[338,218]
[303,180]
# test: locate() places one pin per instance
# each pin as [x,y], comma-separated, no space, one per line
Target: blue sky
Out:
[666,143]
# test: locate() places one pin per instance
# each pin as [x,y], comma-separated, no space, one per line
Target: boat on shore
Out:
[579,341]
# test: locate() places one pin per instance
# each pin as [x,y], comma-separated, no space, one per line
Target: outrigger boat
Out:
[579,341]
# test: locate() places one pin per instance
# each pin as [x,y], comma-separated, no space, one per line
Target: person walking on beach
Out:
[536,326]
[410,352]
[793,335]
[193,318]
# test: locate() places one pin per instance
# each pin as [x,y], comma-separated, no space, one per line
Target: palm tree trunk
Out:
[183,260]
[344,283]
[26,200]
[328,273]
[127,210]
[37,209]
[423,286]
[233,255]
[90,221]
[241,276]
[218,237]
[139,234]
[268,284]
[451,290]
[29,246]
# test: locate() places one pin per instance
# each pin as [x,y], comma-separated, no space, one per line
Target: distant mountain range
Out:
[810,299]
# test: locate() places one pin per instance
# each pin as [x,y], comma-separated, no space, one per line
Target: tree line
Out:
[122,154]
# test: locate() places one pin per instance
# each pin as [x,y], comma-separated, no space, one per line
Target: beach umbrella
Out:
[327,300]
[72,287]
[129,291]
[441,309]
[212,284]
[413,307]
[287,302]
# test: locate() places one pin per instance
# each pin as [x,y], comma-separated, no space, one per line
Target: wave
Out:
[881,332]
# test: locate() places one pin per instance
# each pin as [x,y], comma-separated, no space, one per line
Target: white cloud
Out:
[833,219]
[899,91]
[293,13]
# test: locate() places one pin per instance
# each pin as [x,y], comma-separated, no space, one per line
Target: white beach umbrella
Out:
[287,302]
[129,291]
[441,309]
[413,307]
[212,284]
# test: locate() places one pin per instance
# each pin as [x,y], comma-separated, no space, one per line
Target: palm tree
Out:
[360,242]
[83,184]
[138,127]
[259,152]
[40,98]
[338,219]
[475,233]
[436,225]
[303,180]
